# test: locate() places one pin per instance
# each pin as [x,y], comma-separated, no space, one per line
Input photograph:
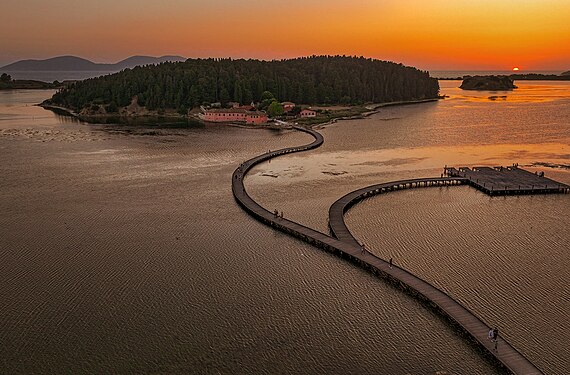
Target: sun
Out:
[516,69]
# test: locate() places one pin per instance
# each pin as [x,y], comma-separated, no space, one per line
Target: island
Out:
[7,83]
[247,91]
[491,83]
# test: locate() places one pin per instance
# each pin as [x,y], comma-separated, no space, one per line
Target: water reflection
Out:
[527,92]
[423,160]
[132,249]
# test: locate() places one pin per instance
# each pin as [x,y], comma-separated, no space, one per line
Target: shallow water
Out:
[520,241]
[125,252]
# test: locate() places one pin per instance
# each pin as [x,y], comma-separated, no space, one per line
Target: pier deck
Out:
[508,181]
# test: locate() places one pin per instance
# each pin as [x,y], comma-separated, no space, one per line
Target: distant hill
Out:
[565,73]
[74,63]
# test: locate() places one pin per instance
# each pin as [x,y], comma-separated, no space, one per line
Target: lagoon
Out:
[124,251]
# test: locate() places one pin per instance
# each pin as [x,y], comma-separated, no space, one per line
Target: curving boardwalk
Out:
[336,211]
[507,355]
[347,247]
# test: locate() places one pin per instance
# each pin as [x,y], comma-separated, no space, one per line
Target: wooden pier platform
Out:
[506,356]
[507,180]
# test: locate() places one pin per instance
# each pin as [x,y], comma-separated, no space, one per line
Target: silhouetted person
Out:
[390,262]
[496,336]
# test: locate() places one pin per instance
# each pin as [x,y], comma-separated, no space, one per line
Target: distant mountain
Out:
[73,63]
[133,61]
[53,64]
[565,73]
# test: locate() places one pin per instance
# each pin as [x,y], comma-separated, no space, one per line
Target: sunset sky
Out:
[429,34]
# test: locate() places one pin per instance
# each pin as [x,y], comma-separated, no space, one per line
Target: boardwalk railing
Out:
[347,247]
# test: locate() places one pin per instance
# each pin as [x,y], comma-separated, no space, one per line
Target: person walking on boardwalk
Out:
[390,262]
[491,334]
[362,249]
[496,336]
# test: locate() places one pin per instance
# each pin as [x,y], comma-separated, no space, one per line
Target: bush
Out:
[112,108]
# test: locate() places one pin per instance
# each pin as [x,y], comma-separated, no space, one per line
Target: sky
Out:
[428,34]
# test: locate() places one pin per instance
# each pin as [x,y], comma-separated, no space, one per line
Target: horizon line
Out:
[436,69]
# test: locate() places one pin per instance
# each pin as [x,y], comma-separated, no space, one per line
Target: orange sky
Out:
[429,34]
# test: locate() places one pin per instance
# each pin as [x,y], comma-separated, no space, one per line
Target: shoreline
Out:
[56,108]
[92,119]
[28,84]
[373,109]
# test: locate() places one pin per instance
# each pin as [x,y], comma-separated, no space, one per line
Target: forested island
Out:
[7,83]
[179,87]
[492,83]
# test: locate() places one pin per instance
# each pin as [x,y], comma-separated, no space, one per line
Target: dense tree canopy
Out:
[308,80]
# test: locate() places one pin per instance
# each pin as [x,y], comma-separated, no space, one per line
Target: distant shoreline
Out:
[28,84]
[516,77]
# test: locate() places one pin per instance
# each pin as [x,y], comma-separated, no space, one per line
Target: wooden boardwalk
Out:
[348,248]
[508,181]
[336,211]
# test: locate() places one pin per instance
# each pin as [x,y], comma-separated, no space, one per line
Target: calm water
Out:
[124,251]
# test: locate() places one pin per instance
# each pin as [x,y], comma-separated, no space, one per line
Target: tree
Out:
[266,99]
[267,95]
[238,93]
[275,109]
[182,110]
[112,108]
[296,110]
[5,78]
[224,96]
